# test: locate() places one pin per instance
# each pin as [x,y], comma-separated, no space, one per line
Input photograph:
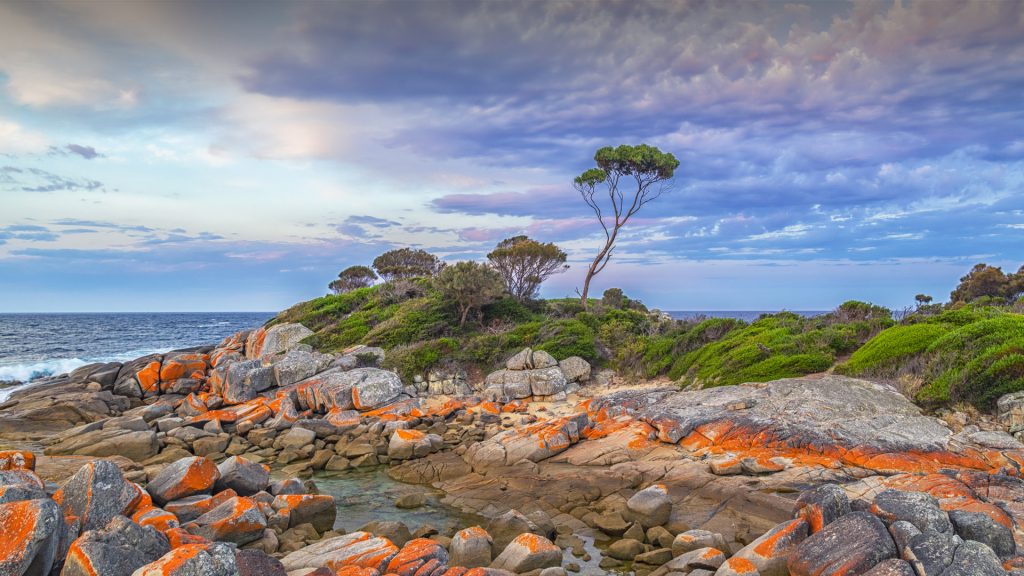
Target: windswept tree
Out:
[987,281]
[471,285]
[352,278]
[625,180]
[406,263]
[524,264]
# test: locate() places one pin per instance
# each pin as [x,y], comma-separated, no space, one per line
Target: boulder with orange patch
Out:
[851,545]
[419,557]
[213,559]
[528,552]
[17,460]
[118,549]
[30,532]
[237,520]
[316,509]
[183,478]
[96,494]
[770,552]
[360,549]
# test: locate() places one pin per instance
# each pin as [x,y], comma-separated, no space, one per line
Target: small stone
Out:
[625,549]
[528,552]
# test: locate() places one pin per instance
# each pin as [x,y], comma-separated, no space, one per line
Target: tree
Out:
[524,264]
[470,285]
[406,263]
[922,300]
[352,278]
[633,177]
[984,281]
[613,298]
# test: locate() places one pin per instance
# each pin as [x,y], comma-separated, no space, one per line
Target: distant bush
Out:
[883,354]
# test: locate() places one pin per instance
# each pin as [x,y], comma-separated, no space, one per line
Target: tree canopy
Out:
[352,278]
[988,281]
[629,175]
[524,264]
[406,263]
[470,285]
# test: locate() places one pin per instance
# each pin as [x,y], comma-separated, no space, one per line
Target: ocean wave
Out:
[28,371]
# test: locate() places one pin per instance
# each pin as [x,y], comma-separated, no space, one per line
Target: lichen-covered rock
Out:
[852,544]
[547,381]
[316,509]
[920,509]
[243,476]
[822,505]
[17,460]
[373,387]
[695,539]
[408,444]
[96,494]
[540,359]
[210,559]
[931,553]
[192,507]
[280,338]
[471,547]
[360,549]
[237,520]
[575,369]
[258,563]
[505,528]
[30,537]
[528,552]
[419,557]
[186,477]
[650,506]
[116,550]
[770,551]
[520,360]
[982,528]
[891,567]
[298,365]
[699,559]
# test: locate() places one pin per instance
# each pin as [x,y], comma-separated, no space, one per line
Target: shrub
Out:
[406,263]
[883,354]
[412,359]
[352,278]
[524,264]
[564,338]
[470,286]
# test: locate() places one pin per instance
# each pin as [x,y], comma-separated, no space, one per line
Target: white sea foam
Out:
[29,371]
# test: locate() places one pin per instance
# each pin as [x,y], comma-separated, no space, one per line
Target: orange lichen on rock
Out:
[490,407]
[952,494]
[149,377]
[17,460]
[534,543]
[19,520]
[184,365]
[158,518]
[356,571]
[420,555]
[410,435]
[515,406]
[179,537]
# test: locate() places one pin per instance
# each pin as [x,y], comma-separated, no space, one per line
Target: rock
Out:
[31,537]
[546,381]
[931,553]
[17,460]
[419,557]
[611,523]
[636,532]
[975,559]
[316,509]
[134,445]
[296,438]
[770,552]
[659,536]
[505,528]
[851,544]
[471,547]
[520,361]
[696,539]
[277,339]
[116,550]
[242,381]
[237,520]
[258,563]
[96,494]
[243,476]
[650,506]
[528,552]
[625,549]
[373,387]
[655,557]
[409,501]
[186,477]
[820,506]
[575,369]
[210,445]
[210,559]
[298,365]
[287,486]
[359,549]
[982,528]
[734,567]
[701,559]
[891,567]
[192,507]
[553,571]
[1010,409]
[920,509]
[397,532]
[541,359]
[408,444]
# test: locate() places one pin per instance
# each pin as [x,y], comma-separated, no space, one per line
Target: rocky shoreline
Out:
[192,462]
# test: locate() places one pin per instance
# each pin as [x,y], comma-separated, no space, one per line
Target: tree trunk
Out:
[462,320]
[594,269]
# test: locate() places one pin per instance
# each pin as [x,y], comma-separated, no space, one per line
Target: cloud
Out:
[39,180]
[86,152]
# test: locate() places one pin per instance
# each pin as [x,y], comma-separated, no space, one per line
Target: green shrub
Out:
[883,353]
[412,359]
[564,338]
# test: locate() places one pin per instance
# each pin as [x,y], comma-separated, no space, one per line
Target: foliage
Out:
[613,298]
[408,360]
[524,264]
[884,353]
[984,281]
[470,285]
[641,165]
[406,263]
[352,278]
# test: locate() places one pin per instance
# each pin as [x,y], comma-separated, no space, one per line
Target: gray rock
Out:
[547,381]
[134,445]
[298,365]
[243,476]
[505,528]
[258,563]
[902,532]
[520,361]
[374,388]
[770,551]
[119,549]
[471,547]
[277,339]
[395,531]
[974,559]
[695,539]
[340,551]
[541,359]
[96,494]
[215,559]
[920,509]
[982,528]
[296,438]
[575,369]
[891,567]
[31,536]
[856,543]
[930,553]
[183,478]
[650,506]
[528,552]
[237,520]
[822,505]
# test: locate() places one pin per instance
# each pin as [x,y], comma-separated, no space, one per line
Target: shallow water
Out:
[363,496]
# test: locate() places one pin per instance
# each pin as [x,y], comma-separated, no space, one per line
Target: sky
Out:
[195,156]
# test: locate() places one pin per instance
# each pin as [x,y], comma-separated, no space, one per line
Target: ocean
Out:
[38,345]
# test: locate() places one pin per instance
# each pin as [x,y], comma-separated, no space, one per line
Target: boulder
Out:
[409,444]
[505,528]
[96,494]
[699,559]
[931,553]
[258,563]
[770,552]
[546,381]
[575,369]
[296,438]
[851,544]
[980,527]
[134,445]
[243,476]
[17,460]
[30,536]
[359,549]
[471,548]
[298,365]
[419,557]
[186,477]
[520,360]
[650,506]
[822,505]
[891,567]
[209,559]
[316,509]
[119,549]
[397,532]
[626,549]
[920,509]
[528,552]
[192,507]
[243,381]
[237,520]
[277,339]
[541,359]
[373,388]
[975,559]
[696,539]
